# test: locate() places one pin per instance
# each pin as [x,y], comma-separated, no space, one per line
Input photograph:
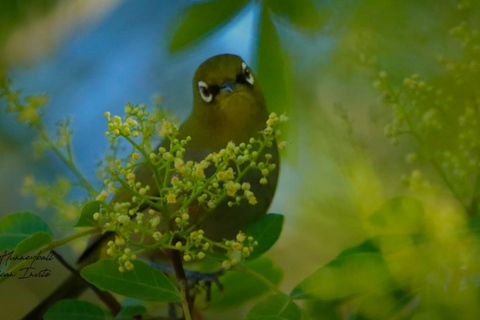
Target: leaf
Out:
[301,13]
[357,270]
[33,242]
[75,310]
[278,306]
[143,282]
[401,215]
[129,312]
[86,216]
[18,226]
[201,19]
[273,68]
[241,287]
[266,231]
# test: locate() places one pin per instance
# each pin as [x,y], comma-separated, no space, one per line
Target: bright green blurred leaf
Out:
[18,226]
[75,310]
[129,312]
[402,215]
[241,287]
[143,282]
[357,270]
[33,242]
[266,231]
[201,19]
[273,69]
[86,216]
[301,13]
[275,307]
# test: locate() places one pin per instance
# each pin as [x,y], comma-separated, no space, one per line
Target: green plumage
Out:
[231,116]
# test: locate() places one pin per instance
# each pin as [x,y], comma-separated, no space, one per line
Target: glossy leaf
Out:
[18,226]
[357,270]
[75,310]
[275,307]
[266,231]
[86,216]
[241,287]
[301,13]
[129,312]
[33,242]
[143,282]
[201,19]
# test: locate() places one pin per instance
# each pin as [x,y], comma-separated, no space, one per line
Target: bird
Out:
[228,106]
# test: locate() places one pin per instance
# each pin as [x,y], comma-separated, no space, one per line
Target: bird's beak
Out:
[228,87]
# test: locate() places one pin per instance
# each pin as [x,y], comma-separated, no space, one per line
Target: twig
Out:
[84,182]
[182,283]
[106,297]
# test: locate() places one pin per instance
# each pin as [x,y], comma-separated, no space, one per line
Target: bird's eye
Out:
[247,73]
[205,93]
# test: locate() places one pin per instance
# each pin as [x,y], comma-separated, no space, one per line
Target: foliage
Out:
[419,258]
[166,224]
[14,13]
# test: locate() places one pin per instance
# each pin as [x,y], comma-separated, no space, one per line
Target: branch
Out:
[106,297]
[182,283]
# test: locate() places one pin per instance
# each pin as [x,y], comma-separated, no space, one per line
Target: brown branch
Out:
[177,264]
[106,297]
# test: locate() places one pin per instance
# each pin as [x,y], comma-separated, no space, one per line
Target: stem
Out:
[149,202]
[147,158]
[52,246]
[182,282]
[106,297]
[68,162]
[221,198]
[434,164]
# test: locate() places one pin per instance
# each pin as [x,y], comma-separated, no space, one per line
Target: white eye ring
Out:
[206,95]
[247,73]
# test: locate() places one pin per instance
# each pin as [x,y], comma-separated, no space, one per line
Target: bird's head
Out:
[225,89]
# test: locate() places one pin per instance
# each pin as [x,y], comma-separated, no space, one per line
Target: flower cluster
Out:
[26,112]
[442,116]
[154,188]
[53,195]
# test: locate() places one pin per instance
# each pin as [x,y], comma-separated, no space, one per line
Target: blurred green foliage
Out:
[417,257]
[14,13]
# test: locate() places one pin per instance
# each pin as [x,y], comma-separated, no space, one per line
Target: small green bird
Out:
[228,105]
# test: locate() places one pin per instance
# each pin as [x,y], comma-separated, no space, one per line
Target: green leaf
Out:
[201,19]
[86,216]
[278,306]
[266,231]
[241,287]
[18,226]
[357,270]
[129,312]
[301,13]
[143,282]
[274,71]
[33,242]
[75,310]
[401,215]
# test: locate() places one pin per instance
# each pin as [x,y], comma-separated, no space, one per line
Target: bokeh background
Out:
[317,61]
